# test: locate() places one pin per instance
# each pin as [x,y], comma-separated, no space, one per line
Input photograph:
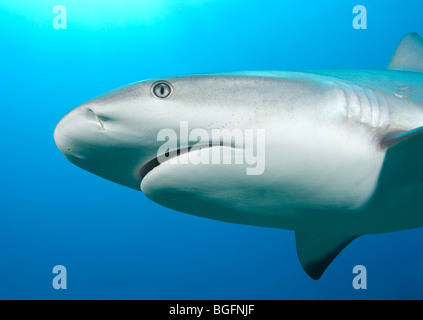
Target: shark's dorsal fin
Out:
[316,251]
[409,54]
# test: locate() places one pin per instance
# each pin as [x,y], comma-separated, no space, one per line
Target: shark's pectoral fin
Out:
[408,137]
[397,197]
[403,162]
[409,54]
[401,174]
[316,251]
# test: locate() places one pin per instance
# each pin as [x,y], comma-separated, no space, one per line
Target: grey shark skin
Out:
[343,149]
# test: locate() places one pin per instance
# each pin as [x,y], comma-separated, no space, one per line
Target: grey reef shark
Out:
[338,153]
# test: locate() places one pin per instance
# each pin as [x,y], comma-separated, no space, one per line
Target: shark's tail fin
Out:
[409,54]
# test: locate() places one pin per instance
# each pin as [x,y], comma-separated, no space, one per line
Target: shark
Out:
[343,149]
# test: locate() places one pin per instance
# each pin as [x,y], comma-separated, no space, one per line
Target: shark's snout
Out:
[90,136]
[75,130]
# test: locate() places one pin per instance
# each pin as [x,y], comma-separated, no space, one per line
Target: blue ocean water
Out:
[113,241]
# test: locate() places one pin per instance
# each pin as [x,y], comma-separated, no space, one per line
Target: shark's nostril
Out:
[97,118]
[100,122]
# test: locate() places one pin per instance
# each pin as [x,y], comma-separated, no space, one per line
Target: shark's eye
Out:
[161,89]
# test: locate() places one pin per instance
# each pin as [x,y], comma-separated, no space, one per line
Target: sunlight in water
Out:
[101,13]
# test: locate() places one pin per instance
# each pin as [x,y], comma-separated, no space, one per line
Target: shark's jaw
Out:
[87,142]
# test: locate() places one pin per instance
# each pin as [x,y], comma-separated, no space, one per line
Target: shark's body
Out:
[343,149]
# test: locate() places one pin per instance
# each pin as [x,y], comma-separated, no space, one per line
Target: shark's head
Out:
[115,135]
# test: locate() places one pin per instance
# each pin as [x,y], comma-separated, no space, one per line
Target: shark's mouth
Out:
[155,162]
